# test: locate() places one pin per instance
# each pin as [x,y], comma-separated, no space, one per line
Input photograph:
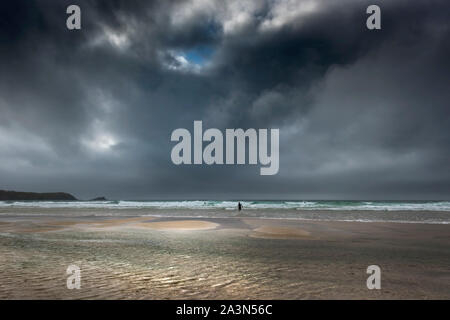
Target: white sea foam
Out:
[199,204]
[436,212]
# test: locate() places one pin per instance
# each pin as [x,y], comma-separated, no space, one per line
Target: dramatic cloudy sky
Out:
[362,114]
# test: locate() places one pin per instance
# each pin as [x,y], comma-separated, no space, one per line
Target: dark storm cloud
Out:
[362,114]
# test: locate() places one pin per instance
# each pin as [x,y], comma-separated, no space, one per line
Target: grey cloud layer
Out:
[361,114]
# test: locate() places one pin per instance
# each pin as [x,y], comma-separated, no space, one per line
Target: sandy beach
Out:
[145,257]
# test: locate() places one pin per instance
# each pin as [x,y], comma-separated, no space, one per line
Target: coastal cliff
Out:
[51,196]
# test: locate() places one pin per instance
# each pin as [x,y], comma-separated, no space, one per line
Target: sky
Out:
[362,114]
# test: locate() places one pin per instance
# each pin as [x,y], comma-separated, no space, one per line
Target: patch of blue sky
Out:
[199,55]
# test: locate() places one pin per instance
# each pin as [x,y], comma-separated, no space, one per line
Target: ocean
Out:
[435,212]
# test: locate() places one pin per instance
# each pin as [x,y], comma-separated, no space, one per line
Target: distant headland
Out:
[6,195]
[49,196]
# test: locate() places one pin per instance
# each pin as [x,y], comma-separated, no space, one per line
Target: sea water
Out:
[366,211]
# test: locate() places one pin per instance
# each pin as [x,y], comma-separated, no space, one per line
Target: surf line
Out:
[213,153]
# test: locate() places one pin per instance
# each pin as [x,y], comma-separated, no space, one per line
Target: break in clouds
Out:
[362,113]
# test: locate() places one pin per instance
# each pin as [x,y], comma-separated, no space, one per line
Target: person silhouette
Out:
[239,206]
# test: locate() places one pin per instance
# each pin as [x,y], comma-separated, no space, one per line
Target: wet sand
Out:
[180,225]
[220,258]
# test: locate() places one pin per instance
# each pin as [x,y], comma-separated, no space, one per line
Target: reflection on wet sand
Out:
[234,258]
